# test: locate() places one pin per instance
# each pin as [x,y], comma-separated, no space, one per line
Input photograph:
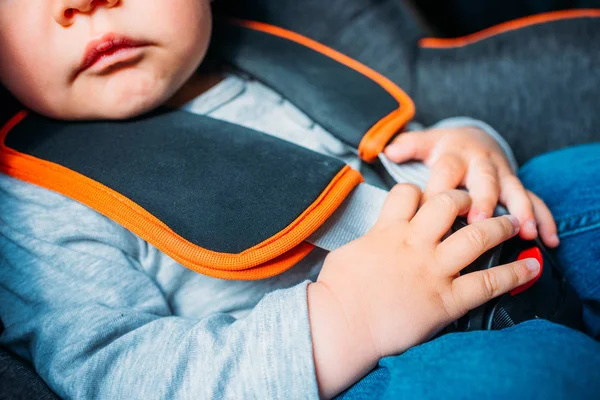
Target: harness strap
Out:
[359,212]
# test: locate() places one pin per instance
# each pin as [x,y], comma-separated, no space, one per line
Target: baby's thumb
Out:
[408,146]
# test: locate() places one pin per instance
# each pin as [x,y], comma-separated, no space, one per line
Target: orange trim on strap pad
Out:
[375,140]
[268,258]
[447,43]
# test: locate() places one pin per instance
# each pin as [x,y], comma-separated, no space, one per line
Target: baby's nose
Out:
[67,9]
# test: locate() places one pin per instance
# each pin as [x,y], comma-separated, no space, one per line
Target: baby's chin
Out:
[123,109]
[123,96]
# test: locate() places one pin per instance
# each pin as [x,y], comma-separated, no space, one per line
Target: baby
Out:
[103,314]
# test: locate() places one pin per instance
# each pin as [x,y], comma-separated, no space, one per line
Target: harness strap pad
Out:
[223,200]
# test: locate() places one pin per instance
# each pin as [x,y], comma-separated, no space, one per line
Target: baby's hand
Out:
[399,284]
[471,158]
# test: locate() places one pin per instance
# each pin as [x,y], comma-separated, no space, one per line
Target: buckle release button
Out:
[536,253]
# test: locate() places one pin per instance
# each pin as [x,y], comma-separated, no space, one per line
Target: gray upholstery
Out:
[537,85]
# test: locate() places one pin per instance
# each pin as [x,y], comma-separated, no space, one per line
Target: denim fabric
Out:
[536,359]
[19,382]
[569,182]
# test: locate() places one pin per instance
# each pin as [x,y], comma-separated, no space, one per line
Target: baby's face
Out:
[100,59]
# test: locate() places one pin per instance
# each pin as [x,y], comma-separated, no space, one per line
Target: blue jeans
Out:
[536,359]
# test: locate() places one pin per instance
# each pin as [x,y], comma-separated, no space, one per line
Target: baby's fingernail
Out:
[515,223]
[531,226]
[554,239]
[532,264]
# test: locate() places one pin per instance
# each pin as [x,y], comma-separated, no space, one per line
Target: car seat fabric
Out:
[533,79]
[218,198]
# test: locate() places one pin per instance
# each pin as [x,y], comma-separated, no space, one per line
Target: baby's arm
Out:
[74,300]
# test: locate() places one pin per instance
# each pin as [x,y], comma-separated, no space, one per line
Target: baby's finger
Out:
[469,291]
[514,196]
[436,216]
[466,245]
[545,220]
[482,182]
[447,173]
[409,146]
[400,205]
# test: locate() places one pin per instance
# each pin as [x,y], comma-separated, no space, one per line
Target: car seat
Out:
[17,377]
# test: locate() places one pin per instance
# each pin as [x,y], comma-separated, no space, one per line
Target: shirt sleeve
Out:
[80,307]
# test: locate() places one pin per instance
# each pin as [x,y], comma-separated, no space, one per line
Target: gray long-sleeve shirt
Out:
[103,314]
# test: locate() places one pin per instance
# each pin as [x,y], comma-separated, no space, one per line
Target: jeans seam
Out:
[578,223]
